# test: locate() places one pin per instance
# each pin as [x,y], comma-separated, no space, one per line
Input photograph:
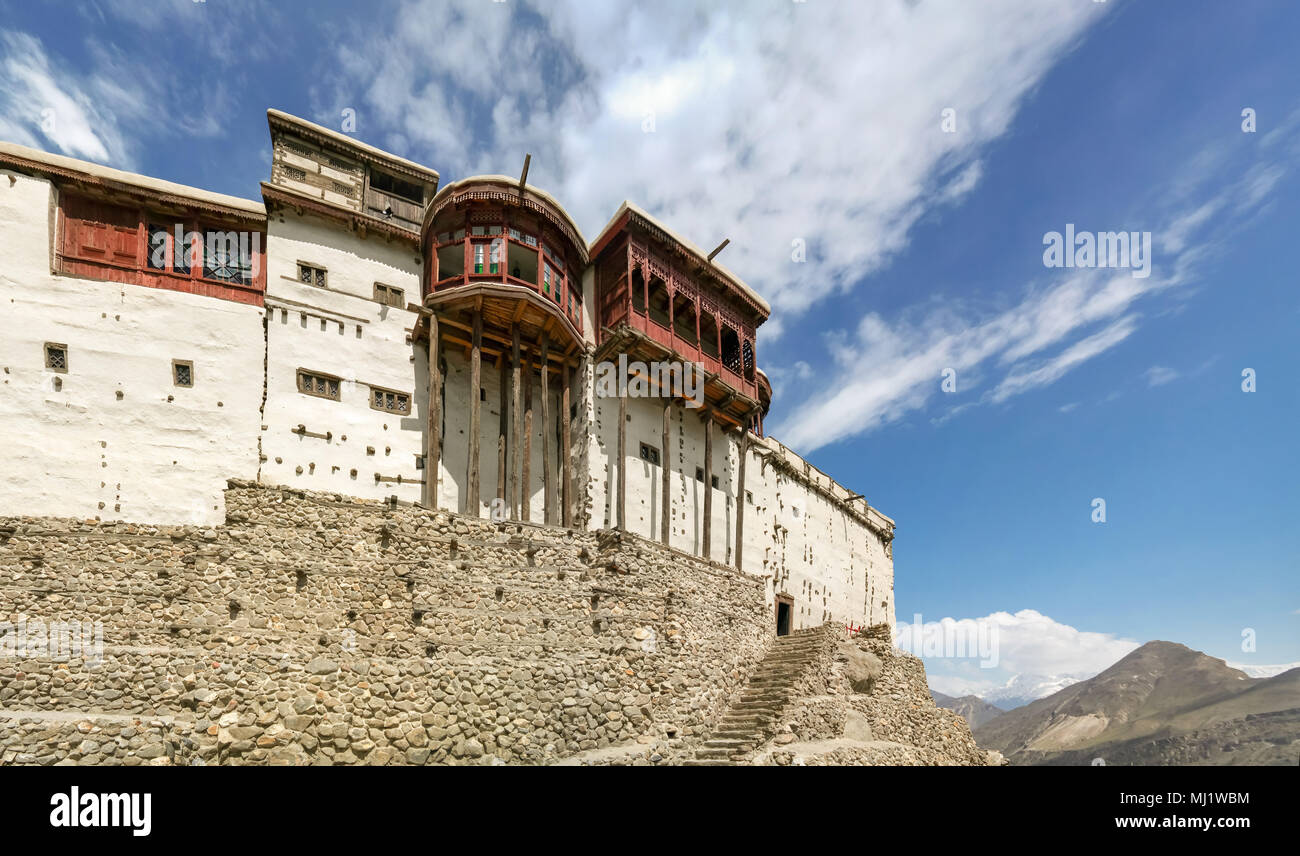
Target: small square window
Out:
[749,497]
[649,453]
[390,401]
[699,474]
[715,481]
[182,373]
[319,385]
[311,275]
[56,357]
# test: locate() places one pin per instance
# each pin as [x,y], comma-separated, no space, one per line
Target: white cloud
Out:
[1161,375]
[1035,654]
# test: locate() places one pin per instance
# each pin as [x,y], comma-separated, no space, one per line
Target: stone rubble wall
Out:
[311,629]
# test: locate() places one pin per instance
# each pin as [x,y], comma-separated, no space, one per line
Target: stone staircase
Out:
[752,720]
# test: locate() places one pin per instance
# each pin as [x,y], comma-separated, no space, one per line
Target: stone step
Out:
[708,762]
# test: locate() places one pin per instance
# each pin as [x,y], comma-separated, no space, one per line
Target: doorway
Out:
[784,614]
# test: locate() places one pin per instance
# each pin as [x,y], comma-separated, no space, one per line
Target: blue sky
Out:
[821,123]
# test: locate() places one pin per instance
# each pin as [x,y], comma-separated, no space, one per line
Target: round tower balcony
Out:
[510,254]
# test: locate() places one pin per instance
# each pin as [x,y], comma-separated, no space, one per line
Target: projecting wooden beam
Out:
[433,429]
[546,433]
[665,499]
[523,177]
[740,499]
[622,457]
[566,455]
[708,483]
[516,424]
[719,249]
[526,483]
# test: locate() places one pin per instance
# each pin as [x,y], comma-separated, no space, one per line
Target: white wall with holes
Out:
[113,437]
[806,544]
[342,332]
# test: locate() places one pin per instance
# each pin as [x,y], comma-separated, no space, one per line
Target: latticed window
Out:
[56,357]
[183,372]
[324,386]
[649,453]
[389,400]
[389,296]
[311,275]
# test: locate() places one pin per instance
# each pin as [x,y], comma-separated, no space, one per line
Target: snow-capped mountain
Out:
[1264,671]
[1023,689]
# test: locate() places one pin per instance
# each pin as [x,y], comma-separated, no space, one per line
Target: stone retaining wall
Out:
[316,629]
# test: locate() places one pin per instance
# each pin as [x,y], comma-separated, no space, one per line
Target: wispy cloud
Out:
[1161,375]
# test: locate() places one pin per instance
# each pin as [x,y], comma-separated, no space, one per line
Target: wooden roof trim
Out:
[353,219]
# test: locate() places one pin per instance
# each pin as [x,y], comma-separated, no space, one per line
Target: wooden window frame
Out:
[176,381]
[55,346]
[301,372]
[384,293]
[394,392]
[321,269]
[653,457]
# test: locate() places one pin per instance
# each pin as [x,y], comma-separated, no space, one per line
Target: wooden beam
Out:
[740,498]
[503,428]
[665,500]
[622,454]
[433,431]
[523,177]
[718,249]
[472,462]
[566,453]
[526,484]
[516,424]
[546,431]
[708,482]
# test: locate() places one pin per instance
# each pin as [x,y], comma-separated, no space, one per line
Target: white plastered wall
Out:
[116,440]
[806,544]
[341,330]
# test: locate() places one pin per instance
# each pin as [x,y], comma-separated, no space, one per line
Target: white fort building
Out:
[363,331]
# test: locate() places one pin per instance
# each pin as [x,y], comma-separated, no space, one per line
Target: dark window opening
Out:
[658,301]
[748,352]
[311,275]
[730,349]
[684,318]
[56,357]
[708,335]
[319,385]
[451,261]
[638,291]
[392,184]
[649,453]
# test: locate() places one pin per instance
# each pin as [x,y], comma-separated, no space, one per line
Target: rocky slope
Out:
[1162,704]
[975,710]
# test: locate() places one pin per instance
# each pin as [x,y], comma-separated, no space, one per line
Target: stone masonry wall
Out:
[313,629]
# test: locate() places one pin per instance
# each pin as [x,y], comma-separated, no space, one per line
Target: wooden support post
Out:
[740,494]
[472,463]
[708,481]
[526,482]
[665,500]
[433,432]
[546,429]
[622,452]
[503,430]
[516,425]
[566,451]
